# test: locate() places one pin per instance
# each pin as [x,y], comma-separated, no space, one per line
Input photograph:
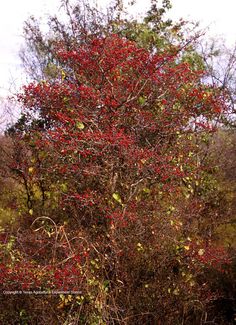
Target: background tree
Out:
[220,63]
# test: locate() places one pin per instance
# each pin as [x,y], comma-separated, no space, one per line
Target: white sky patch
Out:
[218,15]
[13,13]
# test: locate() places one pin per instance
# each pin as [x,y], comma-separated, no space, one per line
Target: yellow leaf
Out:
[187,248]
[116,196]
[192,283]
[31,212]
[176,292]
[80,125]
[61,305]
[140,247]
[31,169]
[63,75]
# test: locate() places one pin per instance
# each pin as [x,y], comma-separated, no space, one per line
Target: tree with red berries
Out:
[111,165]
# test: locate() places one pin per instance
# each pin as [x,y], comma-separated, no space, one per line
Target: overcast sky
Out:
[219,15]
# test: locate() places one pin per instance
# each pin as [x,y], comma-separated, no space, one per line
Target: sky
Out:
[219,15]
[12,15]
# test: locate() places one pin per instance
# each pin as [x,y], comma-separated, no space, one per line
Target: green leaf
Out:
[106,284]
[142,100]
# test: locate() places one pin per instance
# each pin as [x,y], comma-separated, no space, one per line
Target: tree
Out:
[115,181]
